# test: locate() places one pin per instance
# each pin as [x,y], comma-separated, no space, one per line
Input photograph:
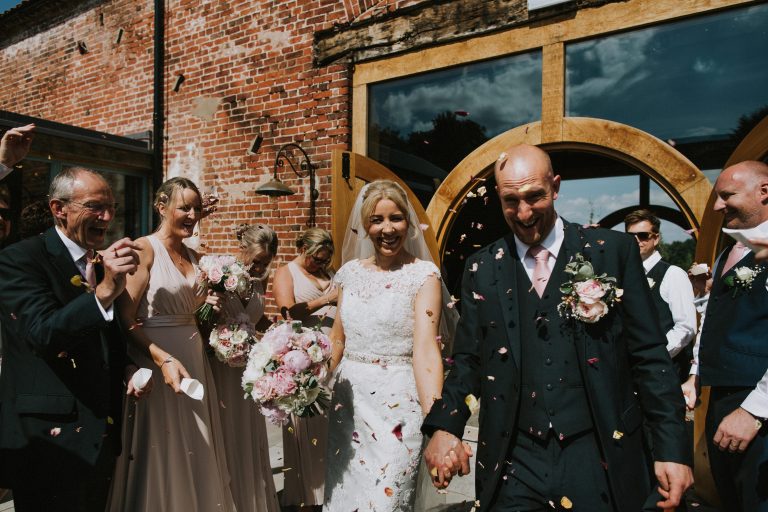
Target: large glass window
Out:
[422,126]
[699,84]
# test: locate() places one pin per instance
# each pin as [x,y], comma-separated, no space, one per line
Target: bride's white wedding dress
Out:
[374,442]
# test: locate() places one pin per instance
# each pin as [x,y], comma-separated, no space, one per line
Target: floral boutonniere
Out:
[78,281]
[651,283]
[742,278]
[587,297]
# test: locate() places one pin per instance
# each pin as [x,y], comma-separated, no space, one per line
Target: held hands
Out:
[15,144]
[118,260]
[446,456]
[736,431]
[673,480]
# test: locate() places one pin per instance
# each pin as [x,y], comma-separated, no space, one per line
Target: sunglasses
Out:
[643,236]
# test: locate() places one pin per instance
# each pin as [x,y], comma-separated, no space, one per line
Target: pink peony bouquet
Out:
[232,341]
[221,274]
[285,370]
[587,297]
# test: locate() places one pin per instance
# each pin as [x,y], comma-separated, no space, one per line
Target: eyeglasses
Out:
[97,208]
[643,236]
[321,261]
[5,213]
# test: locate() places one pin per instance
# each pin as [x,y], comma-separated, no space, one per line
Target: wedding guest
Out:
[65,367]
[304,290]
[34,219]
[175,457]
[245,432]
[671,290]
[386,348]
[733,356]
[14,147]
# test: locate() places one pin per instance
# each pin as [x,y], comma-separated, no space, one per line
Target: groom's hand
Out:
[446,455]
[673,479]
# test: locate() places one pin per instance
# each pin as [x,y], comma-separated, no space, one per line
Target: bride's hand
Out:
[214,299]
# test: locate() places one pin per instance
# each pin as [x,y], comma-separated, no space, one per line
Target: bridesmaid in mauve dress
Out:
[304,291]
[245,431]
[173,456]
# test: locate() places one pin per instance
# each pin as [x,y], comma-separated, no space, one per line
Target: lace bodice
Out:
[377,307]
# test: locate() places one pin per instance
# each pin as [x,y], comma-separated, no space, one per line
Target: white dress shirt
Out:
[756,402]
[551,243]
[76,252]
[677,292]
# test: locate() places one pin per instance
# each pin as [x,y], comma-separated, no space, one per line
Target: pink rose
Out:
[306,340]
[591,313]
[296,361]
[215,274]
[264,388]
[278,343]
[589,291]
[231,283]
[325,344]
[284,383]
[224,333]
[274,414]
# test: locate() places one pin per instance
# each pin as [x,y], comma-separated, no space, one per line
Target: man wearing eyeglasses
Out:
[670,288]
[65,365]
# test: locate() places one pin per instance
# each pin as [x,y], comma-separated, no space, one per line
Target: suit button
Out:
[549,387]
[548,361]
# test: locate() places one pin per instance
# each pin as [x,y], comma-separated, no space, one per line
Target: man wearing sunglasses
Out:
[670,288]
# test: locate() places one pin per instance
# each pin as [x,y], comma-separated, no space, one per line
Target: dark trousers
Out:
[741,478]
[549,474]
[82,490]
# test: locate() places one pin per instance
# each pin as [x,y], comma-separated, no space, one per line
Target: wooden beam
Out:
[552,92]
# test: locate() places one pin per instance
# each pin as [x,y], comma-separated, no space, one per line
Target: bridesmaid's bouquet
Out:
[231,342]
[284,372]
[220,274]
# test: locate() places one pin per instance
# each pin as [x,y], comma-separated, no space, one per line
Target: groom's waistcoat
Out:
[733,349]
[552,389]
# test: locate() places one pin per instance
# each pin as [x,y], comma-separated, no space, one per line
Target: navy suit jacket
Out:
[627,372]
[61,385]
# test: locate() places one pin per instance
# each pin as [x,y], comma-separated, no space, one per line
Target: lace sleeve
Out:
[343,273]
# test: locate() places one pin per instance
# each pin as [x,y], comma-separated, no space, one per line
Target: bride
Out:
[386,351]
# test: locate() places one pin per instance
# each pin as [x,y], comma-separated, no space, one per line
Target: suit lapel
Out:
[573,244]
[506,287]
[61,261]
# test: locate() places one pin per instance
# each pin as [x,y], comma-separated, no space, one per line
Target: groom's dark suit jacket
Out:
[61,384]
[623,361]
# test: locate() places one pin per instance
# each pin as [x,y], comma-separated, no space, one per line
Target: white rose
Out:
[744,274]
[240,336]
[259,357]
[251,374]
[315,353]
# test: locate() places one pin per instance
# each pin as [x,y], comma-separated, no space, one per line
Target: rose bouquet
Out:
[587,297]
[285,369]
[221,274]
[231,342]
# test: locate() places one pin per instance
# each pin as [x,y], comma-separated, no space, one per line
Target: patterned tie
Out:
[541,269]
[90,269]
[737,252]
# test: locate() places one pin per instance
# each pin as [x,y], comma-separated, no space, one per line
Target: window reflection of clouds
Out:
[690,78]
[498,95]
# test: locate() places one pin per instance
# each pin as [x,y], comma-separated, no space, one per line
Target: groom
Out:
[562,401]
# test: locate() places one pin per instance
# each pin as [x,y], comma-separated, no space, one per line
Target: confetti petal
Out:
[566,503]
[55,431]
[388,491]
[398,431]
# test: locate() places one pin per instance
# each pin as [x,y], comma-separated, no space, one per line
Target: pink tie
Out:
[737,252]
[90,270]
[541,269]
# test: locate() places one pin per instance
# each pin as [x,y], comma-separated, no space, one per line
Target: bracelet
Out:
[167,361]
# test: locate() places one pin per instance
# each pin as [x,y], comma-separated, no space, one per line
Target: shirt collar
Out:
[652,260]
[75,251]
[551,242]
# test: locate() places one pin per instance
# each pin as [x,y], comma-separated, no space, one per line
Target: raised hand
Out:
[15,144]
[119,259]
[761,244]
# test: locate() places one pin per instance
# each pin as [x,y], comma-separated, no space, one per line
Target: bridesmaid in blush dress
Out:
[304,290]
[245,431]
[173,456]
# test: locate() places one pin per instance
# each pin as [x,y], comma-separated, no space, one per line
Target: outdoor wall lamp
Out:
[301,167]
